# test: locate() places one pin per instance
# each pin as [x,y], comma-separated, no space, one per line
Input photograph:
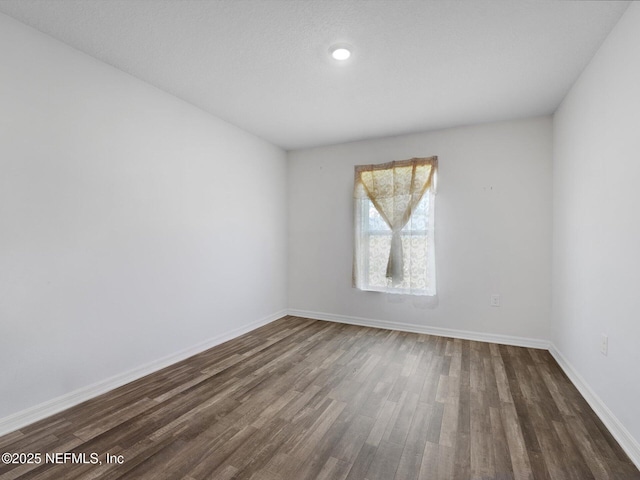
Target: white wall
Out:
[132,225]
[596,224]
[493,229]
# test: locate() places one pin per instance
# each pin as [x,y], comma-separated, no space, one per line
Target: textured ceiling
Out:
[263,65]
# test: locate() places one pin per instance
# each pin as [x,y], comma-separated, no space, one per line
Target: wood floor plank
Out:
[349,445]
[409,465]
[501,458]
[381,423]
[482,455]
[449,429]
[429,463]
[334,469]
[305,399]
[385,462]
[516,442]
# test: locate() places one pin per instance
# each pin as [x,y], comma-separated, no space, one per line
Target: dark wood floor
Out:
[303,399]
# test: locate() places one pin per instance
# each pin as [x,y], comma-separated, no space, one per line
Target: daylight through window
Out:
[394,218]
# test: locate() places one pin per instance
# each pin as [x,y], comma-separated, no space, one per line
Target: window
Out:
[394,236]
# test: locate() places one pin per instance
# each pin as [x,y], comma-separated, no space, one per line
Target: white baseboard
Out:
[629,444]
[441,332]
[38,412]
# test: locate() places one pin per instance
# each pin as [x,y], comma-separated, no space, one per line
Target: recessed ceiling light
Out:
[340,52]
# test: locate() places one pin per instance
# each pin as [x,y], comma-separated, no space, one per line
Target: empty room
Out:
[319,239]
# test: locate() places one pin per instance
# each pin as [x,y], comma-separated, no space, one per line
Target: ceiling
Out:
[263,65]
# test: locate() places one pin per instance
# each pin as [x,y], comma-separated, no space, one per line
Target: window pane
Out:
[415,257]
[379,246]
[414,246]
[419,218]
[415,262]
[376,222]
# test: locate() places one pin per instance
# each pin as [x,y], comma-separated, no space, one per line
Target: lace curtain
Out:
[394,217]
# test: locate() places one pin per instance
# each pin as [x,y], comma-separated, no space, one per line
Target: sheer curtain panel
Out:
[393,216]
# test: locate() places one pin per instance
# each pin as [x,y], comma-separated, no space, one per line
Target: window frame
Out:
[428,232]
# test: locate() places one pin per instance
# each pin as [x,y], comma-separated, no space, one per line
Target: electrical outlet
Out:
[495,300]
[604,344]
